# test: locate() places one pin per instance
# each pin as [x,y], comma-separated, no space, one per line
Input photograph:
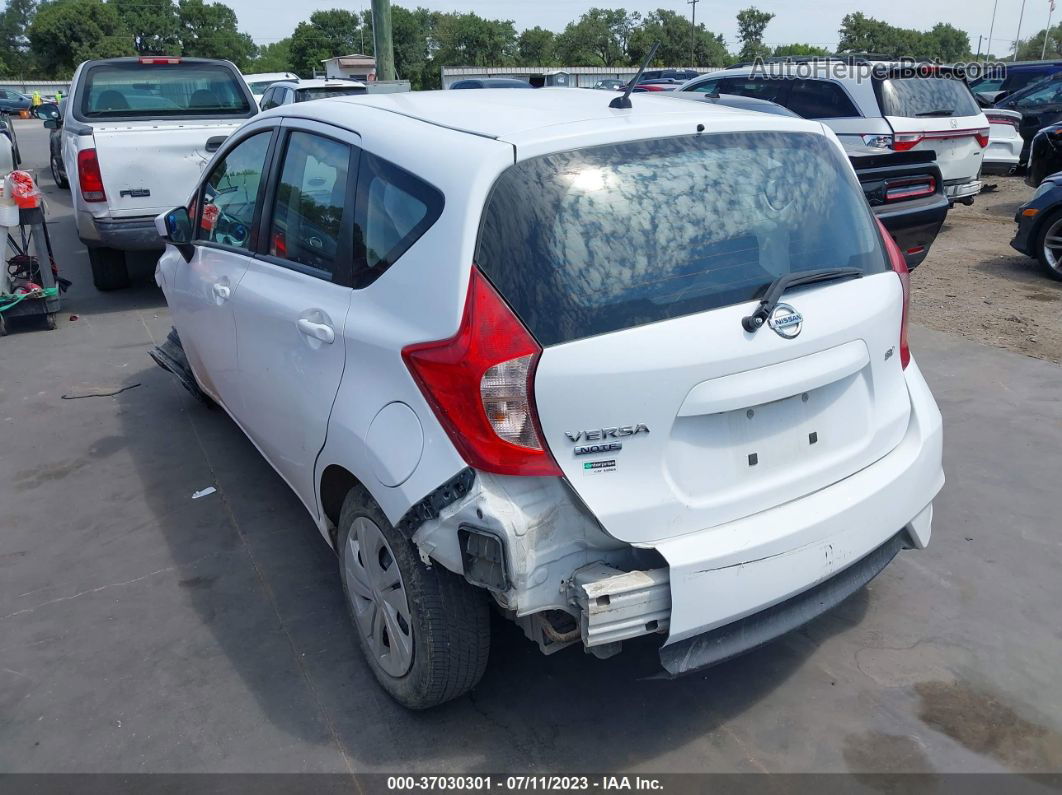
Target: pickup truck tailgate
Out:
[151,167]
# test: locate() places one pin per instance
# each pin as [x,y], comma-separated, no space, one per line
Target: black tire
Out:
[57,173]
[108,268]
[450,619]
[1041,236]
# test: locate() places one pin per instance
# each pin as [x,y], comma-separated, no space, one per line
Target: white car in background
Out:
[703,426]
[259,82]
[876,104]
[287,92]
[1004,143]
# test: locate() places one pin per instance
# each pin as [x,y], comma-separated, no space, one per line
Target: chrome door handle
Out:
[317,331]
[221,292]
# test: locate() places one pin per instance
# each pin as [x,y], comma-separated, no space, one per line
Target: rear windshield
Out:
[306,94]
[259,86]
[595,240]
[185,90]
[914,97]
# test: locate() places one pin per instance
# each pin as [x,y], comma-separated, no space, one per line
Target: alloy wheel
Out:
[1053,246]
[378,596]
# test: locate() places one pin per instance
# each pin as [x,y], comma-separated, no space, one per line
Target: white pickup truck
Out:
[135,137]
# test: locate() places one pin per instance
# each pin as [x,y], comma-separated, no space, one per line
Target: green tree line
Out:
[48,38]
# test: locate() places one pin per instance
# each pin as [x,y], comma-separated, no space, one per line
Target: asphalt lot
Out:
[144,631]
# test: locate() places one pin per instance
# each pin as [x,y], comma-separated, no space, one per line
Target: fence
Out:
[46,87]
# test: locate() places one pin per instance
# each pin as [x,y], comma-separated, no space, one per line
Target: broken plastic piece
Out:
[204,492]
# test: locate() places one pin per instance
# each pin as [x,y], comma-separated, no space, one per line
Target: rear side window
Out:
[307,213]
[819,99]
[184,90]
[914,97]
[393,210]
[755,87]
[595,240]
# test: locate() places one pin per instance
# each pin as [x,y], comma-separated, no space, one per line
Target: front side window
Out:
[394,209]
[230,194]
[577,243]
[308,211]
[707,87]
[183,90]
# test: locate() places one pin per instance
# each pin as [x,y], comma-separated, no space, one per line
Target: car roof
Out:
[546,114]
[321,83]
[271,75]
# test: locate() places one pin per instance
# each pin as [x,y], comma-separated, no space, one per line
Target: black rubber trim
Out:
[718,645]
[430,506]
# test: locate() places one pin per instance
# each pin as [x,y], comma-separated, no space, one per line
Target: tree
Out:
[1029,49]
[679,44]
[275,57]
[470,40]
[63,34]
[600,37]
[751,24]
[792,50]
[326,35]
[208,30]
[411,31]
[536,47]
[945,43]
[15,21]
[154,24]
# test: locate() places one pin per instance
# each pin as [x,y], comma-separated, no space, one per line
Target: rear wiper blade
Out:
[753,322]
[941,112]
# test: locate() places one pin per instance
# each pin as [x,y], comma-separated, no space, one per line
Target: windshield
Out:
[914,97]
[306,94]
[594,240]
[184,90]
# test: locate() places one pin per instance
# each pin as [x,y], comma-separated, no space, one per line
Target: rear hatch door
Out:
[633,265]
[938,114]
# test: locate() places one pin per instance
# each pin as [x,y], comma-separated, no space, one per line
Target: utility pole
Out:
[1047,31]
[1017,36]
[383,47]
[980,38]
[693,32]
[991,29]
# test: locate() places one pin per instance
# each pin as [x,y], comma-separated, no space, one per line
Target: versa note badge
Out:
[603,435]
[786,321]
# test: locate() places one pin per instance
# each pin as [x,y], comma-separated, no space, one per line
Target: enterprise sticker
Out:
[596,467]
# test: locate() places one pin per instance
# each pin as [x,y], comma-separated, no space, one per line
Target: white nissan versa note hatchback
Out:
[617,372]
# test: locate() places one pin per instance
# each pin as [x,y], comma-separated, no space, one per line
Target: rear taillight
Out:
[982,136]
[899,265]
[1001,119]
[896,190]
[89,176]
[901,142]
[480,383]
[158,59]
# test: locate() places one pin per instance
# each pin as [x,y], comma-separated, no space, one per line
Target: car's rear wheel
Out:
[425,632]
[1049,245]
[57,173]
[109,271]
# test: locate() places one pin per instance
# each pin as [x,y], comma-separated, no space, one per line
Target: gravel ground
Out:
[975,285]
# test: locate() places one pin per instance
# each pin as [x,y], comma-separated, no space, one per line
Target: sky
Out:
[807,21]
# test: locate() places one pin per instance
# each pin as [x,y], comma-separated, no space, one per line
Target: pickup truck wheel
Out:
[57,173]
[1049,245]
[425,632]
[108,268]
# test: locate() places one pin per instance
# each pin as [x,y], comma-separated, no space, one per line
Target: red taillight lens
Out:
[155,59]
[899,265]
[88,174]
[901,142]
[479,384]
[910,188]
[982,136]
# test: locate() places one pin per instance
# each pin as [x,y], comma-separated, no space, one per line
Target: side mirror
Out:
[175,227]
[48,110]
